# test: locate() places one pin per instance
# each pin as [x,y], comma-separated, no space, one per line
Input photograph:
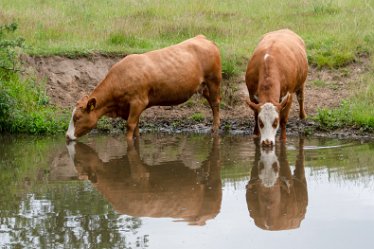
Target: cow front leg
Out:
[256,131]
[284,119]
[133,121]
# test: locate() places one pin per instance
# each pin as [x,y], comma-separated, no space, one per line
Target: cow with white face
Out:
[278,68]
[164,77]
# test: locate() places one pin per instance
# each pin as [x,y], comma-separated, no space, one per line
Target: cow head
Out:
[268,118]
[83,118]
[268,168]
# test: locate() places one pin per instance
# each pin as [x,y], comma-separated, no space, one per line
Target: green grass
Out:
[25,109]
[357,112]
[335,31]
[197,117]
[23,103]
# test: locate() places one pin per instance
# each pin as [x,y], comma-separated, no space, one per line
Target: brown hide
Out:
[168,76]
[284,205]
[168,189]
[284,71]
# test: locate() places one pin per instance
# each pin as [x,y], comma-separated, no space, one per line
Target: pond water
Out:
[185,191]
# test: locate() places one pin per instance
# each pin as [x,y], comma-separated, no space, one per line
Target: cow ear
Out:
[253,106]
[91,104]
[284,101]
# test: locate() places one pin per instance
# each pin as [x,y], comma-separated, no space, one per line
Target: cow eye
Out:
[275,123]
[75,118]
[260,123]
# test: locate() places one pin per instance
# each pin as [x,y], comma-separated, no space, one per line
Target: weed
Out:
[227,127]
[197,117]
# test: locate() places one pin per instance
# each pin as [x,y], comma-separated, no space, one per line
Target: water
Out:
[185,191]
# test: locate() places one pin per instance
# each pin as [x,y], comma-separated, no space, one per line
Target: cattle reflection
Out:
[166,189]
[276,198]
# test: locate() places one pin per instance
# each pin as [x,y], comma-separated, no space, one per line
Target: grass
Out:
[197,117]
[335,31]
[25,108]
[23,103]
[355,112]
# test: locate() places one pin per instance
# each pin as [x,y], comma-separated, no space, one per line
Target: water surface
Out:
[185,191]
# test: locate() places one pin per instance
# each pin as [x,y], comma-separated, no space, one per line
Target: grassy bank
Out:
[336,33]
[356,112]
[24,104]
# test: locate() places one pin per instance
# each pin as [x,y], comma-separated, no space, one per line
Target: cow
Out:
[277,69]
[277,199]
[168,188]
[164,77]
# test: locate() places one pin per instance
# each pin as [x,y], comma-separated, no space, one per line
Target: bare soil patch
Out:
[68,79]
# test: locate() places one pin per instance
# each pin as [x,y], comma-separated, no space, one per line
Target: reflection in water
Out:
[165,189]
[276,198]
[44,205]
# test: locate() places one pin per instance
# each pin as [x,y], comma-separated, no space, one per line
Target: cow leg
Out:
[256,131]
[136,132]
[284,119]
[133,121]
[300,99]
[212,94]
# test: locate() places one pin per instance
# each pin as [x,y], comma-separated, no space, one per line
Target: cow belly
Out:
[175,95]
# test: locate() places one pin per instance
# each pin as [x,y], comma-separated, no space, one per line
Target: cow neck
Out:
[104,99]
[269,91]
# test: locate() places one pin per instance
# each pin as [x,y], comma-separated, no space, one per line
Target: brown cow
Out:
[165,189]
[168,76]
[276,198]
[277,69]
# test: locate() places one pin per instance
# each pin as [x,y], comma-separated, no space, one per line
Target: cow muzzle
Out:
[267,143]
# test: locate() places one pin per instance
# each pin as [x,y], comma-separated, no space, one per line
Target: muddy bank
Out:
[68,79]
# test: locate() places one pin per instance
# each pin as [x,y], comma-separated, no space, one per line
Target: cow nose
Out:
[267,142]
[68,139]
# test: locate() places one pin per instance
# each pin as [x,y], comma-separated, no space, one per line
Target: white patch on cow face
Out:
[71,130]
[268,168]
[266,56]
[266,117]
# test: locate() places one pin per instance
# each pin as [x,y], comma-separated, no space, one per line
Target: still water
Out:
[185,191]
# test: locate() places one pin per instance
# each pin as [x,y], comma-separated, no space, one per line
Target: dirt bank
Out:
[68,79]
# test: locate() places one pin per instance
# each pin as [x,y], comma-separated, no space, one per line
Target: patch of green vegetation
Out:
[325,8]
[319,83]
[176,123]
[358,111]
[227,127]
[329,53]
[23,103]
[229,68]
[190,102]
[197,117]
[323,84]
[128,41]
